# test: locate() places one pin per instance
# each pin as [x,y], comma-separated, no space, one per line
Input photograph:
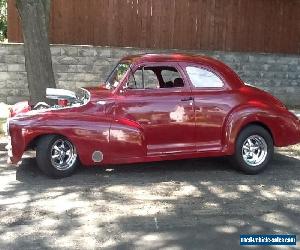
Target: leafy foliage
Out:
[3,20]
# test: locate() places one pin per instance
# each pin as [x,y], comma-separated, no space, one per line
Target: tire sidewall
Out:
[44,158]
[247,132]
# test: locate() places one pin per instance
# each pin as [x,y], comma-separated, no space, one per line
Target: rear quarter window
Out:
[202,78]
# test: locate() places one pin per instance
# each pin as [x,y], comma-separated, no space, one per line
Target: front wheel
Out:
[253,150]
[56,156]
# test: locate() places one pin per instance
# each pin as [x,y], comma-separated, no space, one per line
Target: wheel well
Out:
[32,144]
[257,124]
[233,142]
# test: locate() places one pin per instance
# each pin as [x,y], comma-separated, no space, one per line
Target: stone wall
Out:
[77,66]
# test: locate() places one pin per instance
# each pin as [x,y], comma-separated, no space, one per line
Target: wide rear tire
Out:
[254,149]
[56,156]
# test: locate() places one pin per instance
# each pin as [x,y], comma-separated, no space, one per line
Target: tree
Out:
[34,15]
[3,20]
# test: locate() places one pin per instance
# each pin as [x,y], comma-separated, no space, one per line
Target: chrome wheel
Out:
[63,154]
[254,150]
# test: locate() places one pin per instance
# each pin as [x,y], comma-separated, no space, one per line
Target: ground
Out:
[188,204]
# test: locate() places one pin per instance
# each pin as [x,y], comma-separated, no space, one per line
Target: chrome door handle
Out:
[187,99]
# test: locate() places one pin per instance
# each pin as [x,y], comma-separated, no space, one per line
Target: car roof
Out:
[177,57]
[227,73]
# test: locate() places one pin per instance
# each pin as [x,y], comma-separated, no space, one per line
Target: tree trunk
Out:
[34,16]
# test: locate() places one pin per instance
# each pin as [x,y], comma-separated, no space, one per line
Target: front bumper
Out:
[8,146]
[15,143]
[296,113]
[9,151]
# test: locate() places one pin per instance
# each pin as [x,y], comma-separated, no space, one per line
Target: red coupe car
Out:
[153,108]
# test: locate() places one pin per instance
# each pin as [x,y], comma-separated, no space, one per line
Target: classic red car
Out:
[153,108]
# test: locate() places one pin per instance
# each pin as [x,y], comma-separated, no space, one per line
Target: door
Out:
[213,101]
[158,99]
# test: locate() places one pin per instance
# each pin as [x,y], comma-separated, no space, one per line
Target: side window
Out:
[171,78]
[136,80]
[169,74]
[150,79]
[155,77]
[143,74]
[202,78]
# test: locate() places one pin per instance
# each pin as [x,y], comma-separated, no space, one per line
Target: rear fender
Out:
[240,118]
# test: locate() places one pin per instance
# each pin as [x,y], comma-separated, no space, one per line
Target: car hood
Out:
[98,93]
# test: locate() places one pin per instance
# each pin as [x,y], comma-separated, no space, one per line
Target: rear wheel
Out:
[56,156]
[253,150]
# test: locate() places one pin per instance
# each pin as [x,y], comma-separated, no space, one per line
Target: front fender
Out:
[89,133]
[85,132]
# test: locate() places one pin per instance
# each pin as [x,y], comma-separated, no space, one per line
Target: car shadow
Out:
[203,168]
[29,168]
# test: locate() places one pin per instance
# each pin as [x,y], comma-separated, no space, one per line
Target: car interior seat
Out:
[178,82]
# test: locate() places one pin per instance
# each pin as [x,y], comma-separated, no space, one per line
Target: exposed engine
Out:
[65,98]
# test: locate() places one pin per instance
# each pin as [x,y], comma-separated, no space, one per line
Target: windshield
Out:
[116,75]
